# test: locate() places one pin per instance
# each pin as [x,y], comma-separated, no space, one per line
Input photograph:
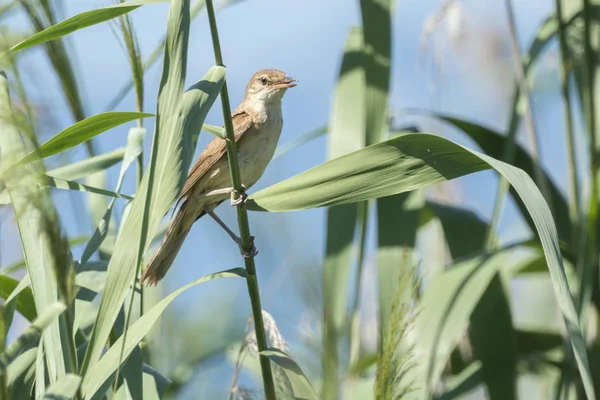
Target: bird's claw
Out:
[248,253]
[241,199]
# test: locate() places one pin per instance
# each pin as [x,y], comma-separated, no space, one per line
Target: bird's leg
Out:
[245,253]
[242,196]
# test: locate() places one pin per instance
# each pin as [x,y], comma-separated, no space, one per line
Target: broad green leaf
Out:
[398,165]
[108,364]
[35,216]
[65,388]
[133,375]
[79,169]
[446,306]
[155,384]
[88,166]
[80,187]
[80,132]
[377,28]
[180,117]
[300,385]
[31,334]
[347,134]
[493,340]
[465,232]
[466,381]
[530,342]
[135,146]
[11,289]
[80,21]
[20,367]
[299,141]
[414,161]
[493,144]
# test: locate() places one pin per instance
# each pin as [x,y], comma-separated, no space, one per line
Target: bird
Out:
[257,125]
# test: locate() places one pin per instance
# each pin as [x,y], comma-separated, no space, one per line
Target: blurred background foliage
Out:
[439,292]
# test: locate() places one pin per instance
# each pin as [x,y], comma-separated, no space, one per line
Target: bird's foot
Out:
[238,197]
[247,253]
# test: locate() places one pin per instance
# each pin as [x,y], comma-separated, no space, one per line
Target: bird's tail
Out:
[171,243]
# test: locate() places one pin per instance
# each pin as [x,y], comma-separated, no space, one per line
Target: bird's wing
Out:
[242,124]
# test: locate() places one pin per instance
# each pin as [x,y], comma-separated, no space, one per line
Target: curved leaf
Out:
[88,166]
[414,161]
[25,304]
[80,21]
[301,387]
[493,144]
[31,335]
[81,132]
[65,388]
[108,364]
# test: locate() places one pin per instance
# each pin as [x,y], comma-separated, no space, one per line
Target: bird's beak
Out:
[286,83]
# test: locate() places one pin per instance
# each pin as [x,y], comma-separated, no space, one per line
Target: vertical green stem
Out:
[242,214]
[574,192]
[363,210]
[532,135]
[503,186]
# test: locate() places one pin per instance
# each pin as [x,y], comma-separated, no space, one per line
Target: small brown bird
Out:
[257,124]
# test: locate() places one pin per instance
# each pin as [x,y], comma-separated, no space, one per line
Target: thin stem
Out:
[574,194]
[247,245]
[355,310]
[528,116]
[503,186]
[566,377]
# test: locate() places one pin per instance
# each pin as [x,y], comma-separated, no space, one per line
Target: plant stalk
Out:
[532,135]
[242,214]
[574,193]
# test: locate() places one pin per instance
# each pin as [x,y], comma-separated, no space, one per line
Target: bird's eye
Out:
[264,80]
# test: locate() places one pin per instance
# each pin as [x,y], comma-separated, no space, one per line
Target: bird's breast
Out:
[256,150]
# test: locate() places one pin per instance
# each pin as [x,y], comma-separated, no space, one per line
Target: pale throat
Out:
[263,110]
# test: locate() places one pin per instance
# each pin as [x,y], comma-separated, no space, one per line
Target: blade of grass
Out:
[135,143]
[493,340]
[347,134]
[35,215]
[76,186]
[31,335]
[81,132]
[109,363]
[302,389]
[80,21]
[83,168]
[494,144]
[413,161]
[63,389]
[23,298]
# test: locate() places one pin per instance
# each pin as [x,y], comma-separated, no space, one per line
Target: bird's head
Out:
[268,85]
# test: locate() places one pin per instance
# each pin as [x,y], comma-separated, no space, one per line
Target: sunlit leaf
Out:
[80,21]
[414,161]
[103,369]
